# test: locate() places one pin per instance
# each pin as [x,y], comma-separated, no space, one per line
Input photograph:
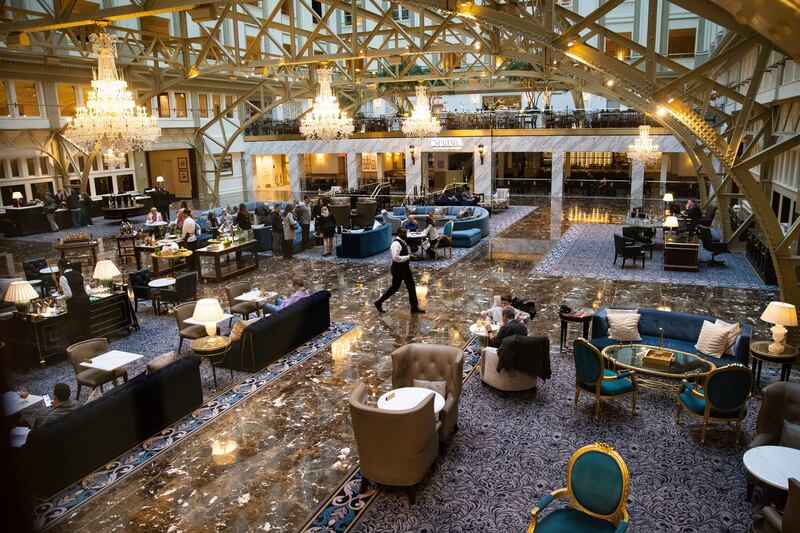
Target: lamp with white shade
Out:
[105,271]
[671,222]
[159,179]
[668,199]
[209,312]
[781,314]
[16,196]
[21,293]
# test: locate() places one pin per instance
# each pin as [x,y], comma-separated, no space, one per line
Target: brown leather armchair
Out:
[774,522]
[781,401]
[91,377]
[432,362]
[240,308]
[395,448]
[187,331]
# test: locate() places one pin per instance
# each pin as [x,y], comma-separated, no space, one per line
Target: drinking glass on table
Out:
[23,394]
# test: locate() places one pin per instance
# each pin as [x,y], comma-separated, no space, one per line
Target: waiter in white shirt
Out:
[401,273]
[189,235]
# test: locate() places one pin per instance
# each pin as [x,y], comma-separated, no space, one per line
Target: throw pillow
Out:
[464,213]
[713,340]
[733,335]
[790,435]
[441,211]
[435,386]
[624,327]
[95,394]
[376,225]
[238,328]
[161,361]
[411,209]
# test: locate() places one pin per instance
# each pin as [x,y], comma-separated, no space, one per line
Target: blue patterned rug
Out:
[49,511]
[587,251]
[512,449]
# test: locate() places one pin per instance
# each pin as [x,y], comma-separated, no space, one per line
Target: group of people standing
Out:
[72,201]
[284,226]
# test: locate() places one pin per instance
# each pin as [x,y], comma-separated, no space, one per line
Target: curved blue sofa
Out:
[366,243]
[479,218]
[680,333]
[264,237]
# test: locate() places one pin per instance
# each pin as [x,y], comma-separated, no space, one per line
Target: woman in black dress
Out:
[243,219]
[327,226]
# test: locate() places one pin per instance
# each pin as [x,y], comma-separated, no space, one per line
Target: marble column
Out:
[637,183]
[354,169]
[379,159]
[557,175]
[556,214]
[662,178]
[297,175]
[483,172]
[413,172]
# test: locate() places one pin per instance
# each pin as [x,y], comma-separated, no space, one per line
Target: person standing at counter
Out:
[73,290]
[74,206]
[61,198]
[87,208]
[161,201]
[49,207]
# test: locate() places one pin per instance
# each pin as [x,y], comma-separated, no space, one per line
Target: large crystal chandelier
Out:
[643,148]
[421,123]
[326,121]
[111,121]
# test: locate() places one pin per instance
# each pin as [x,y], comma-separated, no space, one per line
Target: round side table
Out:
[760,354]
[213,348]
[580,316]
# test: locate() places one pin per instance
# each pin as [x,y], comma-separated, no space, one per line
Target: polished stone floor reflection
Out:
[294,441]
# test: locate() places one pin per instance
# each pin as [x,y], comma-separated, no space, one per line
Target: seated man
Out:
[467,198]
[62,405]
[511,326]
[501,302]
[299,293]
[410,224]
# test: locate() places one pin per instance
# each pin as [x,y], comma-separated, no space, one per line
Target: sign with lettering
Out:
[446,143]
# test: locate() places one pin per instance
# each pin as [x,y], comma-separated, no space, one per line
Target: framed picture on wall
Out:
[226,168]
[183,175]
[183,163]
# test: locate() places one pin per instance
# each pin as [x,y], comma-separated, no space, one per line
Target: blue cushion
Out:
[466,238]
[611,387]
[698,406]
[572,521]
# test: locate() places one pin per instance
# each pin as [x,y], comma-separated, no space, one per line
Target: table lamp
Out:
[668,199]
[671,222]
[17,197]
[159,179]
[21,293]
[105,271]
[781,314]
[209,312]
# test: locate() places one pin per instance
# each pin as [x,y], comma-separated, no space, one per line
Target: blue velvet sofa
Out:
[466,238]
[680,333]
[366,243]
[263,235]
[479,218]
[63,451]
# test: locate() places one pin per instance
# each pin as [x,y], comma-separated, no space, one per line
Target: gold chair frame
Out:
[598,397]
[449,247]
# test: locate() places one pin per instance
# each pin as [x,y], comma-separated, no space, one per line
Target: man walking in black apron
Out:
[401,273]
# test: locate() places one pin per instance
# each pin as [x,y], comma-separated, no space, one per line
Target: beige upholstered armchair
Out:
[187,331]
[507,380]
[91,377]
[395,448]
[432,362]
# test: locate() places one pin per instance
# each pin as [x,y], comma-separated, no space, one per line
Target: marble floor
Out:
[294,436]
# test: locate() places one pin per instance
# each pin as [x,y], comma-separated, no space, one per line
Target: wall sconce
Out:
[481,150]
[412,150]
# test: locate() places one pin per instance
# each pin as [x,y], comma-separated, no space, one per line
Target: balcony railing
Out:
[487,120]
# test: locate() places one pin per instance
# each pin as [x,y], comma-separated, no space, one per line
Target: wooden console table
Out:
[228,268]
[681,256]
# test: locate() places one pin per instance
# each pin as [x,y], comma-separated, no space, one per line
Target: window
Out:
[103,185]
[163,105]
[14,168]
[27,98]
[348,18]
[215,99]
[617,50]
[180,105]
[67,100]
[31,164]
[8,191]
[400,13]
[681,42]
[4,109]
[285,7]
[39,190]
[203,101]
[125,183]
[44,168]
[316,7]
[253,45]
[228,103]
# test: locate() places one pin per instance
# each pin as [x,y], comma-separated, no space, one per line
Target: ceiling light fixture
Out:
[326,121]
[643,149]
[421,123]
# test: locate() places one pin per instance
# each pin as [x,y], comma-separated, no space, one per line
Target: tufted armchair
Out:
[724,397]
[593,378]
[395,448]
[139,285]
[597,489]
[184,289]
[780,401]
[32,268]
[91,377]
[774,522]
[432,362]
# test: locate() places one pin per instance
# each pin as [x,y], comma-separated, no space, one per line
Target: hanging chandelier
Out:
[643,148]
[111,121]
[421,123]
[326,121]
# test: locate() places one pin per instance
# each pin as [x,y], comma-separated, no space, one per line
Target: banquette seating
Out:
[365,243]
[479,217]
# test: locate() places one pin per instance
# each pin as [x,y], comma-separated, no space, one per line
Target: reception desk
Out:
[30,220]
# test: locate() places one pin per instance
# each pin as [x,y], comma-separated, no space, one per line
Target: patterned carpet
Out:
[587,251]
[497,467]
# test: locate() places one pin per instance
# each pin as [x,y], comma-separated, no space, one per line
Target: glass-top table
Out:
[682,365]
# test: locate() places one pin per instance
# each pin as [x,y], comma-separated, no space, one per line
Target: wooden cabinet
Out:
[681,256]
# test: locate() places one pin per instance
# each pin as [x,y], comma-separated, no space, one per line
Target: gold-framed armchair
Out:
[723,398]
[597,489]
[592,377]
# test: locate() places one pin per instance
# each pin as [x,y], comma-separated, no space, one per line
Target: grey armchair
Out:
[91,377]
[187,331]
[432,362]
[789,522]
[780,401]
[395,448]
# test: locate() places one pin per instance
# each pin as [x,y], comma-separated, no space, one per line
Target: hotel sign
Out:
[446,143]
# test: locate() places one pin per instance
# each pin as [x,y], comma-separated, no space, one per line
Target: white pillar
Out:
[637,183]
[557,175]
[413,172]
[556,214]
[662,178]
[297,174]
[353,170]
[483,172]
[379,157]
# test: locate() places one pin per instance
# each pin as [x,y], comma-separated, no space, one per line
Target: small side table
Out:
[580,316]
[213,348]
[760,354]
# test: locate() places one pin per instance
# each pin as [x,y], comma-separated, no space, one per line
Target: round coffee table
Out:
[213,348]
[684,365]
[760,354]
[481,333]
[773,465]
[408,398]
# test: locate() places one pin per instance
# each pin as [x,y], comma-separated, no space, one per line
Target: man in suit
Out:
[276,222]
[401,273]
[511,326]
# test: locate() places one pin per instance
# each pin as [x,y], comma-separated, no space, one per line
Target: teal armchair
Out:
[593,378]
[723,399]
[597,489]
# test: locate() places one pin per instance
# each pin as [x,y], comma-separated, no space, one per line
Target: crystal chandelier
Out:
[111,121]
[421,123]
[643,148]
[326,121]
